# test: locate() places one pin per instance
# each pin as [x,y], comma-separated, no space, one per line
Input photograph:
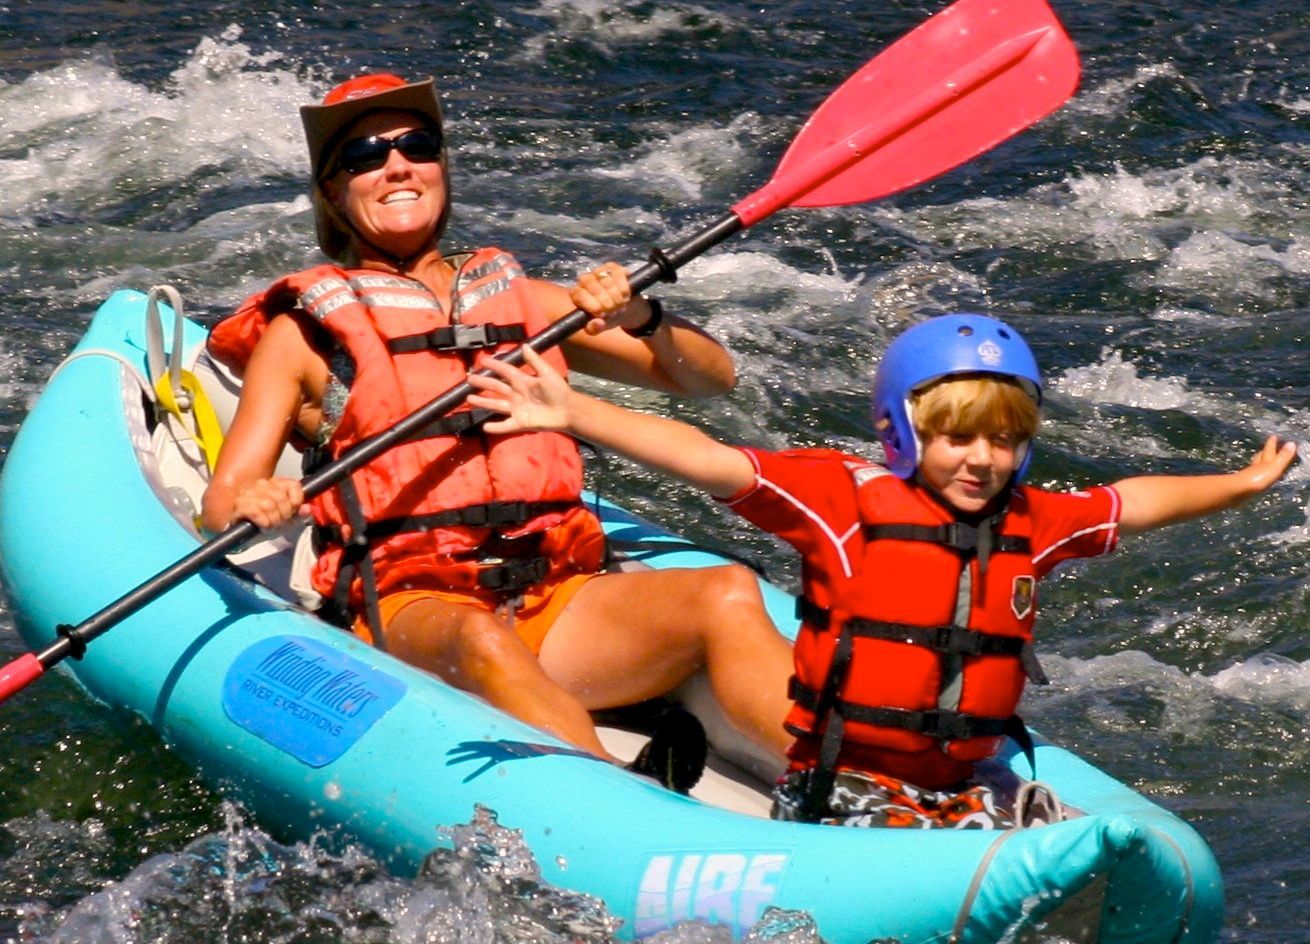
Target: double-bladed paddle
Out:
[966,79]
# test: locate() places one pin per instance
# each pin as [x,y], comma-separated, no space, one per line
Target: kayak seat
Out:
[195,399]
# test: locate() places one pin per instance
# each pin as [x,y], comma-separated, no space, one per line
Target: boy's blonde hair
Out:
[975,404]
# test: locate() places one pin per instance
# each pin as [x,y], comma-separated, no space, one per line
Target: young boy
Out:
[919,576]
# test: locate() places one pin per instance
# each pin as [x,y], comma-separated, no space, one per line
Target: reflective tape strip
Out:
[502,263]
[329,305]
[363,282]
[479,295]
[393,300]
[319,289]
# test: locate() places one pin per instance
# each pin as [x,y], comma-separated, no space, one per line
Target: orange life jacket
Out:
[453,507]
[915,663]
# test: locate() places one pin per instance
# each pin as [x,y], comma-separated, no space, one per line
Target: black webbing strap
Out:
[957,535]
[938,723]
[828,714]
[1031,667]
[952,640]
[967,540]
[502,576]
[1017,732]
[505,514]
[458,337]
[355,558]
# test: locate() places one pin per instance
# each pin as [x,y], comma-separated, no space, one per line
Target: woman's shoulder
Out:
[294,329]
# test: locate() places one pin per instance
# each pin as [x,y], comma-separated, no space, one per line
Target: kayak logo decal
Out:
[495,753]
[306,698]
[724,888]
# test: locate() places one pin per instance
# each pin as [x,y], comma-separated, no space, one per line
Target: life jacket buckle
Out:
[469,336]
[511,576]
[964,641]
[941,639]
[962,537]
[495,515]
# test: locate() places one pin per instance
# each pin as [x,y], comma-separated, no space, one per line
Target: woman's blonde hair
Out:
[976,404]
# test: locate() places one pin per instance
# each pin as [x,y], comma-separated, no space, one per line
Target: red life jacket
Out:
[431,511]
[913,665]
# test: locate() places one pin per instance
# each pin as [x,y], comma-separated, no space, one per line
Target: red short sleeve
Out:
[1067,525]
[807,497]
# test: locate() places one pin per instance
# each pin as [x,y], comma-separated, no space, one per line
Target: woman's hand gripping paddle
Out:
[959,84]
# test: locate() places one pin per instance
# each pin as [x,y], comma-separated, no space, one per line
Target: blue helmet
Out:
[936,348]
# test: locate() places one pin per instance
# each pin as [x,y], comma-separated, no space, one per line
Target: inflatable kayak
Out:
[312,730]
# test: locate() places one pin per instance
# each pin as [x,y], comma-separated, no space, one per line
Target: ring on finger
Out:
[603,274]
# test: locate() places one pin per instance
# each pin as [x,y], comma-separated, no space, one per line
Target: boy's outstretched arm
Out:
[1153,501]
[542,400]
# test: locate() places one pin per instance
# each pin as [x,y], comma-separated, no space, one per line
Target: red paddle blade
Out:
[19,674]
[957,85]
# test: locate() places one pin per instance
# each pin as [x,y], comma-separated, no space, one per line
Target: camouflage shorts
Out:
[859,799]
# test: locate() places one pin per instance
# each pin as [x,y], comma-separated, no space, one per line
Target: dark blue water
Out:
[1152,239]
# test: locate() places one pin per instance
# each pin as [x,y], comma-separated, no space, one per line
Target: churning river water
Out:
[1151,239]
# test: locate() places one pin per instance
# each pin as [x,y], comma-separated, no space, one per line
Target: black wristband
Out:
[652,324]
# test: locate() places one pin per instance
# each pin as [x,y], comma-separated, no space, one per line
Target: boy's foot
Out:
[675,754]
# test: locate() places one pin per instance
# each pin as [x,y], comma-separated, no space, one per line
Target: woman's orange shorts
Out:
[541,606]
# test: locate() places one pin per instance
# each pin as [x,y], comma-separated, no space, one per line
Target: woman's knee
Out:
[729,595]
[484,647]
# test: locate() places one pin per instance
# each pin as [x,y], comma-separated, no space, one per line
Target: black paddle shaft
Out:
[663,265]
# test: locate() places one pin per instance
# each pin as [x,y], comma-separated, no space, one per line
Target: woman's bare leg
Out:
[476,651]
[626,637]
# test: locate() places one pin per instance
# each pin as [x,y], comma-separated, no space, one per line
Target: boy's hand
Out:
[1152,501]
[1269,464]
[530,401]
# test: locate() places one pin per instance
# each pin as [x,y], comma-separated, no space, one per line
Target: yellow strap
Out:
[204,429]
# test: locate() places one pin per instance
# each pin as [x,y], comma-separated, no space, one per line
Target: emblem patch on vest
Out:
[1023,594]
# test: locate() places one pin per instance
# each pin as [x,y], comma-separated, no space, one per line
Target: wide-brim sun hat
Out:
[344,105]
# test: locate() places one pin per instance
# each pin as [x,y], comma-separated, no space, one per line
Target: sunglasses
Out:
[361,155]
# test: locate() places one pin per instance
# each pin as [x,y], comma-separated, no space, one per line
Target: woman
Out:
[466,554]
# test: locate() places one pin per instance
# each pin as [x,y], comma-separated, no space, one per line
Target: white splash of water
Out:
[1264,680]
[1116,381]
[686,160]
[1229,265]
[88,135]
[1267,679]
[723,275]
[606,24]
[1209,223]
[1114,96]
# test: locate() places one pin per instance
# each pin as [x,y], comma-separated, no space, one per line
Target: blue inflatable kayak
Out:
[312,730]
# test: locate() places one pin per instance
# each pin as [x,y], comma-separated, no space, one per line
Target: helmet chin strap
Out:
[1021,454]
